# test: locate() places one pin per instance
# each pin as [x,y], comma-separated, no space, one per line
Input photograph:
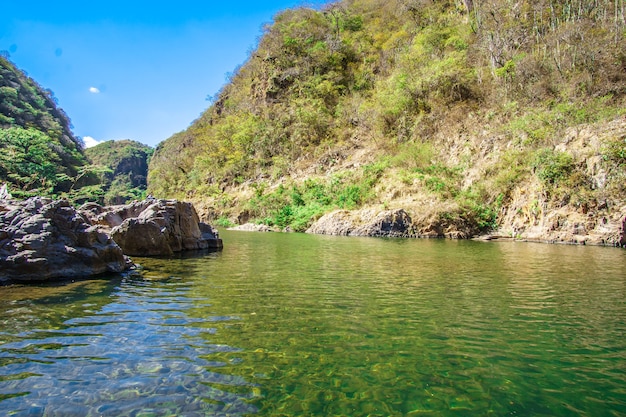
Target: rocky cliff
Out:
[124,170]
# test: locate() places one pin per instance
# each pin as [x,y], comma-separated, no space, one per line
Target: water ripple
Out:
[138,352]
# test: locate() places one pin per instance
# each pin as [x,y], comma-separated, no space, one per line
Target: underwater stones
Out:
[43,239]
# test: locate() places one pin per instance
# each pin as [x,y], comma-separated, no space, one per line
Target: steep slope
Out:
[38,152]
[471,117]
[123,167]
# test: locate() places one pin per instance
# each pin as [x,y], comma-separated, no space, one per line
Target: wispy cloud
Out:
[90,142]
[94,90]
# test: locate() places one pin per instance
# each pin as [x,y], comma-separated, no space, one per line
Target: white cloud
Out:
[90,142]
[94,90]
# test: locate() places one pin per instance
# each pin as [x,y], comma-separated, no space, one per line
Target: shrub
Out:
[552,167]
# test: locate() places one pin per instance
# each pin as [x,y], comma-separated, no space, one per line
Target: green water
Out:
[289,324]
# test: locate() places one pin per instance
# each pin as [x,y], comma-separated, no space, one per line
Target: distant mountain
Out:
[471,116]
[38,152]
[123,167]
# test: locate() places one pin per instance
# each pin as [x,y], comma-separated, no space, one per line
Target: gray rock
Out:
[43,239]
[388,223]
[155,227]
[251,227]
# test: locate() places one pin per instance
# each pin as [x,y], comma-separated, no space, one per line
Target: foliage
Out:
[615,151]
[552,167]
[39,155]
[27,159]
[123,169]
[404,80]
[298,205]
[25,104]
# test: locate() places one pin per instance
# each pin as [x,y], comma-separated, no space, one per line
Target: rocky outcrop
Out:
[154,227]
[43,239]
[252,227]
[604,226]
[558,226]
[388,223]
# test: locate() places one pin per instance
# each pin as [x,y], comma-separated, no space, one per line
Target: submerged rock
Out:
[155,227]
[43,239]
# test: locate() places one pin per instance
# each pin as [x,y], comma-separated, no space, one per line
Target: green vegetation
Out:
[39,155]
[297,205]
[457,103]
[122,167]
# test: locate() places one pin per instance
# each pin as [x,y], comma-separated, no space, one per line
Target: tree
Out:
[26,159]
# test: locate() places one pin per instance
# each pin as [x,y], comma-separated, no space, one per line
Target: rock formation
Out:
[154,227]
[43,239]
[559,226]
[388,223]
[251,227]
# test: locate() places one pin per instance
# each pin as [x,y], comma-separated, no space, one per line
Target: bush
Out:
[552,167]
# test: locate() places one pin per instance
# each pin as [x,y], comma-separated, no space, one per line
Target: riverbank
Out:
[557,227]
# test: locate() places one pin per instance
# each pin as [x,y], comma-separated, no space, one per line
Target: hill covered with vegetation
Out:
[123,169]
[38,152]
[470,115]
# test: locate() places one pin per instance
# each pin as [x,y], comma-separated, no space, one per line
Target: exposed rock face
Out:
[251,227]
[605,227]
[43,239]
[388,223]
[155,227]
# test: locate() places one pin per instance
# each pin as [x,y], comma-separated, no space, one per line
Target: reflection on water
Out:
[282,324]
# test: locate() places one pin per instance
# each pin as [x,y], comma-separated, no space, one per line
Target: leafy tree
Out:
[27,160]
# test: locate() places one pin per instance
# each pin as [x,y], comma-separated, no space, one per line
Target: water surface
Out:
[291,324]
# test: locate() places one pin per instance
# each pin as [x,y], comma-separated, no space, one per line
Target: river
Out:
[294,324]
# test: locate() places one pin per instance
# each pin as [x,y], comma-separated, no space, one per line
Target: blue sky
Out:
[138,70]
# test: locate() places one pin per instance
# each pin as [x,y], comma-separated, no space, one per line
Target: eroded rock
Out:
[155,227]
[388,223]
[43,239]
[252,227]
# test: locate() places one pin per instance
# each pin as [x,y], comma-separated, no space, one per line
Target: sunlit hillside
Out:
[122,166]
[467,114]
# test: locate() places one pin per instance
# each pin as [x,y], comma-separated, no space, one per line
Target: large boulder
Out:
[43,239]
[387,223]
[155,227]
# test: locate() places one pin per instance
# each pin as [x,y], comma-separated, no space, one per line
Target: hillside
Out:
[38,152]
[123,168]
[472,117]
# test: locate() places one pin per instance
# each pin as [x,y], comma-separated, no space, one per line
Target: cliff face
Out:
[123,165]
[594,213]
[471,118]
